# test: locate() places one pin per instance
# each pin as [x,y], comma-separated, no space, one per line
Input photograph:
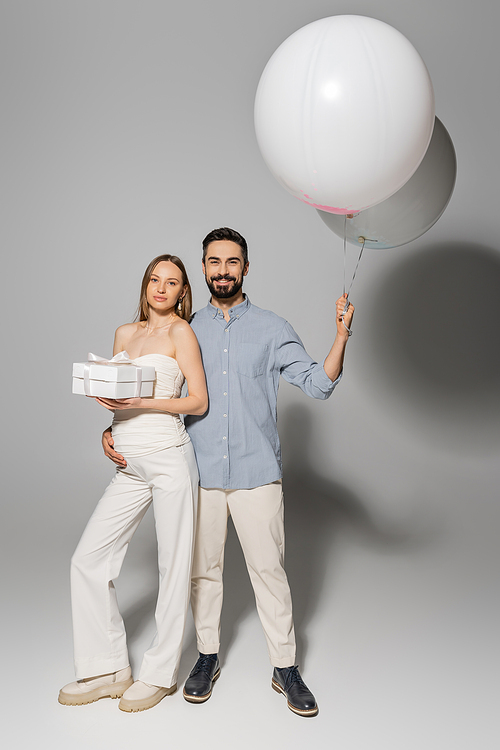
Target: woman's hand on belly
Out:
[107,445]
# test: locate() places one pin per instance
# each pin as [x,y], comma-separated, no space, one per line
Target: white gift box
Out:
[112,378]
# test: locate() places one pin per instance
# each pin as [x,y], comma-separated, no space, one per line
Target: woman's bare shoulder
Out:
[128,329]
[180,327]
[126,332]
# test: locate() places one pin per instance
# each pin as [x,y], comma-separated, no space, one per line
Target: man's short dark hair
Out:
[225,233]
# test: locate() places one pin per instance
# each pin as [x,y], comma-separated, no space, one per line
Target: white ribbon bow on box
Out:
[122,358]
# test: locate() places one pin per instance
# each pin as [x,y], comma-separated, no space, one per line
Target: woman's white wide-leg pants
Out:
[169,480]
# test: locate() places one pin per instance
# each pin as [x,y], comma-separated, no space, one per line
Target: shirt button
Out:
[225,394]
[223,372]
[224,415]
[225,350]
[225,456]
[226,330]
[224,438]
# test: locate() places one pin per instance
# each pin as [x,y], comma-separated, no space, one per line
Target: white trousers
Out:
[259,522]
[169,480]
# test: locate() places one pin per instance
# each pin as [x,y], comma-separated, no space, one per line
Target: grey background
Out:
[127,131]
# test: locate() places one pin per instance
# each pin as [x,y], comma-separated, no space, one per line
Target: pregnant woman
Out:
[159,467]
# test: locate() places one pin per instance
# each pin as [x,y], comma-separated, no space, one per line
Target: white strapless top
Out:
[137,432]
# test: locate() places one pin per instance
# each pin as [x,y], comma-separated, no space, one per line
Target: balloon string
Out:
[345,254]
[345,251]
[357,266]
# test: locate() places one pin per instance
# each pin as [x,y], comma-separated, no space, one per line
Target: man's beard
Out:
[224,292]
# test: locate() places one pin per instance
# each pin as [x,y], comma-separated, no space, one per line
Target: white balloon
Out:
[344,113]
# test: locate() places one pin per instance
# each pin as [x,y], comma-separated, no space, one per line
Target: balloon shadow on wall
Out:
[321,513]
[433,353]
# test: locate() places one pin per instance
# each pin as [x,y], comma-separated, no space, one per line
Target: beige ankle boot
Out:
[142,696]
[93,688]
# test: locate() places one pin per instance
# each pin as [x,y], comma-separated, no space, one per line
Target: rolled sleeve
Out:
[323,382]
[298,368]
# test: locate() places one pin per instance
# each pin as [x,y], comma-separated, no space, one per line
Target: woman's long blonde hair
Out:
[186,300]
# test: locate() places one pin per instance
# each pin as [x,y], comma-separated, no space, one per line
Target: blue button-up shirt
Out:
[236,440]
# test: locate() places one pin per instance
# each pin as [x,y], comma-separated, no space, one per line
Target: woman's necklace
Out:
[159,328]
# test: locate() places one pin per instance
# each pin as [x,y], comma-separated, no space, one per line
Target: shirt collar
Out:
[234,312]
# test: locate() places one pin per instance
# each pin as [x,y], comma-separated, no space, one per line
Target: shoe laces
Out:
[293,676]
[204,664]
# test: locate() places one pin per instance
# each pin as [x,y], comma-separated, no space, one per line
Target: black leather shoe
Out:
[300,699]
[199,684]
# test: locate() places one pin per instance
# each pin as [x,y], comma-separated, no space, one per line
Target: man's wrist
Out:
[343,335]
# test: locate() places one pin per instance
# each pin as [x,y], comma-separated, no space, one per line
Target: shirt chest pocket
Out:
[251,359]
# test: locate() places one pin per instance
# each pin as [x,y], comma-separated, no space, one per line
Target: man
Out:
[245,350]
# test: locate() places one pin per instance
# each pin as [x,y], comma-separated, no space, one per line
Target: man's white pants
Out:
[259,522]
[168,479]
